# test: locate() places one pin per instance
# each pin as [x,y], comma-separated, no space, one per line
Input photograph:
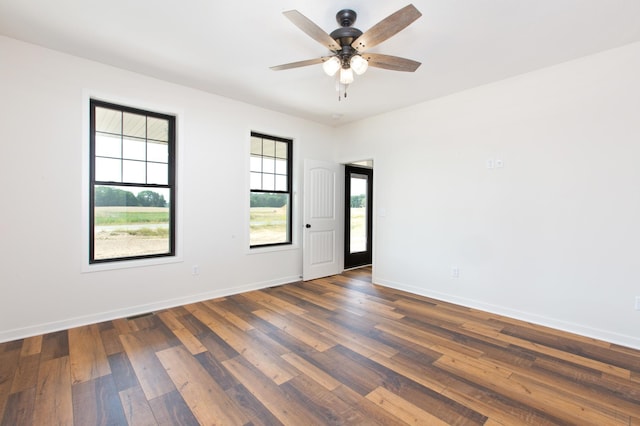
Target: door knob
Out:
[307,226]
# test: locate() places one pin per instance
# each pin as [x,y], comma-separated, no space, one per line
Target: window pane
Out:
[130,221]
[134,149]
[281,183]
[108,145]
[256,146]
[157,129]
[158,173]
[256,180]
[133,171]
[281,149]
[134,125]
[158,152]
[108,120]
[268,165]
[255,164]
[269,219]
[281,167]
[108,170]
[358,215]
[268,182]
[268,148]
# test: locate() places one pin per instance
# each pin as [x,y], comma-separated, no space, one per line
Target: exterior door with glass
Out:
[358,216]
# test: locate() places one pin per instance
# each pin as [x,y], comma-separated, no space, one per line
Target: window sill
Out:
[126,264]
[269,249]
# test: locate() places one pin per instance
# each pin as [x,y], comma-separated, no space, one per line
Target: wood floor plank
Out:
[298,331]
[311,371]
[170,409]
[150,373]
[228,315]
[529,392]
[314,298]
[360,343]
[273,303]
[410,370]
[587,383]
[190,341]
[20,408]
[9,362]
[350,368]
[96,402]
[122,371]
[54,345]
[403,409]
[87,354]
[206,399]
[497,408]
[111,341]
[54,404]
[591,349]
[31,346]
[270,364]
[286,410]
[364,304]
[137,410]
[567,356]
[320,402]
[26,375]
[370,412]
[258,414]
[426,339]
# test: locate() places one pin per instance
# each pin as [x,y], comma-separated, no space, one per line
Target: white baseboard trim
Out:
[50,327]
[594,333]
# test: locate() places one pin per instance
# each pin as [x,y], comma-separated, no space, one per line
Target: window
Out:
[270,197]
[132,183]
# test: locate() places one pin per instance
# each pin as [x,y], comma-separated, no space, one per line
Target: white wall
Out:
[42,134]
[553,237]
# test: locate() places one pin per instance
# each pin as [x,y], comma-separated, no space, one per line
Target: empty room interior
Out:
[345,212]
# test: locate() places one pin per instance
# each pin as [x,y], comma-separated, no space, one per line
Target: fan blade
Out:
[312,30]
[388,27]
[393,63]
[300,64]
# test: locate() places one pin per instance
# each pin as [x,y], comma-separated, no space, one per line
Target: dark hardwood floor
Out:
[337,350]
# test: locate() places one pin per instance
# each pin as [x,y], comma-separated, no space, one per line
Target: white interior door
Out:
[323,236]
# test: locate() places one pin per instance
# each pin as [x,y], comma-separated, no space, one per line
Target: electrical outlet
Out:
[455,272]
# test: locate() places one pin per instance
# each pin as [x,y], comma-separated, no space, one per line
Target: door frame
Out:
[354,260]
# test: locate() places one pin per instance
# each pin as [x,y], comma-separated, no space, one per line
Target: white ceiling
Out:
[227,47]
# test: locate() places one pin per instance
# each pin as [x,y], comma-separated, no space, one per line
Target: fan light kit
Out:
[348,45]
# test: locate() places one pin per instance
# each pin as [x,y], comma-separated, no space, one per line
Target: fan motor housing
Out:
[346,17]
[346,34]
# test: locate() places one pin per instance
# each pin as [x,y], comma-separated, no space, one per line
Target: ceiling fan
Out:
[348,44]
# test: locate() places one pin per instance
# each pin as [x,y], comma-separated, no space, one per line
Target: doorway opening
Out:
[358,228]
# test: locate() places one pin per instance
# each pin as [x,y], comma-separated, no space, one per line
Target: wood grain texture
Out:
[53,404]
[336,350]
[87,354]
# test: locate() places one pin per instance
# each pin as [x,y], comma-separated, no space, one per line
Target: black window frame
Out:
[289,190]
[171,179]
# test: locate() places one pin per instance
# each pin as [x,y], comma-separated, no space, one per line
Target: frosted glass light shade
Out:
[331,66]
[346,75]
[359,64]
